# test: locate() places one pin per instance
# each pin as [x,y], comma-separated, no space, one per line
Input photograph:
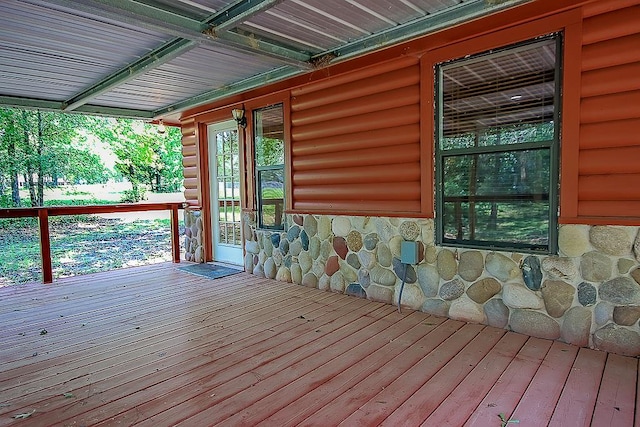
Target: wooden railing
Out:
[43,214]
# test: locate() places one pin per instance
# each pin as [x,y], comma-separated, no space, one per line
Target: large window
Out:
[497,148]
[269,163]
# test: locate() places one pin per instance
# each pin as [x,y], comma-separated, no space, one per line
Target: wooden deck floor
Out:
[155,346]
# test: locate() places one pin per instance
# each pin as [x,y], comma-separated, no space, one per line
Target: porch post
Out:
[175,236]
[45,245]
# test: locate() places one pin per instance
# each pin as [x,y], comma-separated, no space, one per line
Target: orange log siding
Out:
[355,133]
[369,121]
[190,163]
[609,170]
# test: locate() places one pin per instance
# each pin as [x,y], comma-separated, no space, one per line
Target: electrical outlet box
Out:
[409,252]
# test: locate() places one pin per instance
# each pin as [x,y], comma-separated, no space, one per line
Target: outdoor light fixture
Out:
[161,128]
[238,116]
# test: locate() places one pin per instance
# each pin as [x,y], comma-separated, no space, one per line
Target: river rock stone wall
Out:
[193,236]
[588,295]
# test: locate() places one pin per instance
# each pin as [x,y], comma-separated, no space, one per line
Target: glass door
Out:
[224,164]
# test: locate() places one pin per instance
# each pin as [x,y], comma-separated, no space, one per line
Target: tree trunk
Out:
[13,172]
[40,143]
[28,177]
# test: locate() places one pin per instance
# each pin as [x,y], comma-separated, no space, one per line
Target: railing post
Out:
[45,246]
[175,234]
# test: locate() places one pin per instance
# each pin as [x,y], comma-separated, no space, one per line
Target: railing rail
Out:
[43,214]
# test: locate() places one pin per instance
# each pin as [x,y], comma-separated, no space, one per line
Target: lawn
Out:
[84,244]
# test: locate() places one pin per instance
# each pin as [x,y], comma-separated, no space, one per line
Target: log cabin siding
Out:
[609,170]
[355,145]
[190,162]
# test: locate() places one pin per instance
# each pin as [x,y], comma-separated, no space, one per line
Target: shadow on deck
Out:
[158,346]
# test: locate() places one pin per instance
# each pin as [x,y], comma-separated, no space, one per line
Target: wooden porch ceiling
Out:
[157,346]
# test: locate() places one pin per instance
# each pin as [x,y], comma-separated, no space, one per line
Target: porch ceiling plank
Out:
[229,90]
[190,33]
[427,24]
[151,60]
[162,347]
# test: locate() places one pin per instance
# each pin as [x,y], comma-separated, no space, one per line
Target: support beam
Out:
[229,90]
[190,33]
[152,60]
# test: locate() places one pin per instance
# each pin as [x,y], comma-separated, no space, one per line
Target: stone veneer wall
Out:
[589,295]
[193,236]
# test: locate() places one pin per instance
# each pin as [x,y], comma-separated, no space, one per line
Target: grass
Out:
[87,245]
[81,244]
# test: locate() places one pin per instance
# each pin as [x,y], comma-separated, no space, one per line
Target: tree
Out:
[41,147]
[145,158]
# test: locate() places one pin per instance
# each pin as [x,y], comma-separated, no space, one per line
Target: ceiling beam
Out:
[97,110]
[229,90]
[465,11]
[152,60]
[189,34]
[419,27]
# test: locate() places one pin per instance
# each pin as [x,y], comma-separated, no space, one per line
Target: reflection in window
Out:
[269,163]
[496,148]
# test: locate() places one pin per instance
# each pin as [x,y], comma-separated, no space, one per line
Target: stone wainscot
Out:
[193,241]
[588,295]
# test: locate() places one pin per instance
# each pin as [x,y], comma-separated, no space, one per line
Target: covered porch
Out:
[158,346]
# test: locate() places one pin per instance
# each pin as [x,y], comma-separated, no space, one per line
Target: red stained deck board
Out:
[575,406]
[127,367]
[386,401]
[359,394]
[508,389]
[238,345]
[152,330]
[151,327]
[185,377]
[425,400]
[168,403]
[477,384]
[355,373]
[616,400]
[349,356]
[262,381]
[539,401]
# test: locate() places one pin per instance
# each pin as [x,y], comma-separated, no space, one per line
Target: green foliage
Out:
[42,147]
[144,157]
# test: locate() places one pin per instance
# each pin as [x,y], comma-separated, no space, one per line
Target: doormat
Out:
[209,270]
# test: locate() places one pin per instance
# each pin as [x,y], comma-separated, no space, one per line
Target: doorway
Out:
[224,170]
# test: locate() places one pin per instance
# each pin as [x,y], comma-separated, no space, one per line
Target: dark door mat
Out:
[209,270]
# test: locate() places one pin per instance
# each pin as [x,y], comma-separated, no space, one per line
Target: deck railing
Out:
[43,214]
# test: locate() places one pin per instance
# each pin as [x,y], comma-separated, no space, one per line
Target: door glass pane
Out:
[228,181]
